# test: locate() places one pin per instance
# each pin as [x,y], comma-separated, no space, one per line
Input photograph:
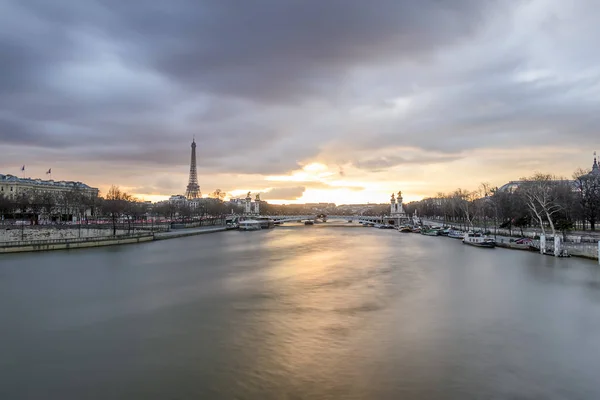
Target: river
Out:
[306,312]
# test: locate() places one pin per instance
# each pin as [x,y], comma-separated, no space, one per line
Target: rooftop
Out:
[40,182]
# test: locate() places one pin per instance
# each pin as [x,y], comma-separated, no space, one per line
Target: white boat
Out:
[452,233]
[250,225]
[479,240]
[265,223]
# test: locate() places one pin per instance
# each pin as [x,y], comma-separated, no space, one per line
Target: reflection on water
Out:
[302,312]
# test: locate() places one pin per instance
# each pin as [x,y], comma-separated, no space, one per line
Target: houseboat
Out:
[250,225]
[479,240]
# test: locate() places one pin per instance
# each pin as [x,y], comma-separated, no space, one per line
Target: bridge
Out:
[324,218]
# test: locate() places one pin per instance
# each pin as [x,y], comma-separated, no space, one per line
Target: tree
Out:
[47,202]
[165,209]
[465,202]
[588,185]
[115,204]
[502,203]
[22,201]
[6,206]
[522,222]
[35,203]
[542,194]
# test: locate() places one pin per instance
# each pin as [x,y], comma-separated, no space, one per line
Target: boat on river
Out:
[430,232]
[479,240]
[265,222]
[456,234]
[386,226]
[404,228]
[309,222]
[250,225]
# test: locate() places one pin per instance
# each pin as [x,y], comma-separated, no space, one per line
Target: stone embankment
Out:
[58,244]
[44,239]
[12,233]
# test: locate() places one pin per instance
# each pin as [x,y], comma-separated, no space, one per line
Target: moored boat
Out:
[250,225]
[266,223]
[456,234]
[386,226]
[309,222]
[479,240]
[404,228]
[430,232]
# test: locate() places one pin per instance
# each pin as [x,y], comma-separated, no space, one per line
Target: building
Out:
[512,186]
[177,199]
[11,186]
[47,200]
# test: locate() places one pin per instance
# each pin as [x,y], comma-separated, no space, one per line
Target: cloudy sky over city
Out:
[338,101]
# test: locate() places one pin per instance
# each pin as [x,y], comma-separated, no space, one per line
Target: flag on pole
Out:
[49,171]
[23,168]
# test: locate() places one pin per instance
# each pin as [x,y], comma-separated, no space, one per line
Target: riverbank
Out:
[100,241]
[577,244]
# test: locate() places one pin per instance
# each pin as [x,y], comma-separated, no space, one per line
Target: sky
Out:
[343,101]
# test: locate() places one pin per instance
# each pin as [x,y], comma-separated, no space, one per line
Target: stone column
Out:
[248,209]
[542,244]
[557,245]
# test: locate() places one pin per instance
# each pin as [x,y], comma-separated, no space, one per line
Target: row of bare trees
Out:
[54,206]
[544,201]
[117,206]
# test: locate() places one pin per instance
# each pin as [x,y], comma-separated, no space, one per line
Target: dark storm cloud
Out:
[130,82]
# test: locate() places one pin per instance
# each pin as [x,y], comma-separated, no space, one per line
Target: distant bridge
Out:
[323,217]
[374,219]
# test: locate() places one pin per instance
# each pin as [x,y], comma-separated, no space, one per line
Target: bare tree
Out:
[588,185]
[6,206]
[35,203]
[542,196]
[22,202]
[465,202]
[47,201]
[115,204]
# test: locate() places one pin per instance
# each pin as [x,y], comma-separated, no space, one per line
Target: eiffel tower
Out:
[193,189]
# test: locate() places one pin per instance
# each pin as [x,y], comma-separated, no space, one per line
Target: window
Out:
[11,188]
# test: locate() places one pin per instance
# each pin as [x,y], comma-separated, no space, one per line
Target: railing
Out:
[18,243]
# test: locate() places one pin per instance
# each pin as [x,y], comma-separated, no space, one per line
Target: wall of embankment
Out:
[86,242]
[65,245]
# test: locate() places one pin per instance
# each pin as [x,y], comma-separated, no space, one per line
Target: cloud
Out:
[384,162]
[115,90]
[283,193]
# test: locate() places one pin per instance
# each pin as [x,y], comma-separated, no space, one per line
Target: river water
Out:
[299,313]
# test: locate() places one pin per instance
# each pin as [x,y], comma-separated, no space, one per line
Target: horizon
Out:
[240,193]
[418,97]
